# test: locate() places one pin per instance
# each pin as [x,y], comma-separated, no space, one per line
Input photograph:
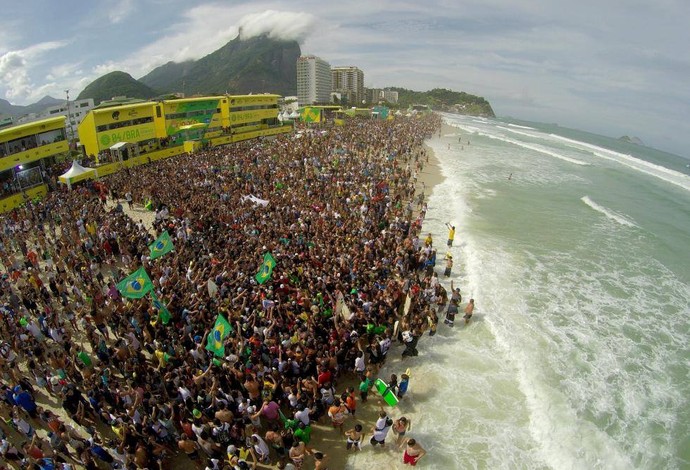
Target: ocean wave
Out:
[643,166]
[535,148]
[522,127]
[607,212]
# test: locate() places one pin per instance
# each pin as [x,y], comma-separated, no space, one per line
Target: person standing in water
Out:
[413,453]
[469,309]
[451,234]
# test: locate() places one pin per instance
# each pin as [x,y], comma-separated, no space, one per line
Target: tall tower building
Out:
[349,82]
[313,80]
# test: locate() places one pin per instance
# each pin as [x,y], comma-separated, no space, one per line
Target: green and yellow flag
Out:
[163,312]
[161,246]
[266,269]
[136,285]
[221,330]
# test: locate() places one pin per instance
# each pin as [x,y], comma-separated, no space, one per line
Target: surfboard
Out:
[387,395]
[395,330]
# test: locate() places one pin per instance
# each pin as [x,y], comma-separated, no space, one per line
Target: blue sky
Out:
[613,67]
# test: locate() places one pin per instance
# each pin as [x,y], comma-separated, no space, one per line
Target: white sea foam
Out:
[535,148]
[537,135]
[658,171]
[607,212]
[521,127]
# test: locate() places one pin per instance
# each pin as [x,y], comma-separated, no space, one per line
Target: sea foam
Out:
[607,212]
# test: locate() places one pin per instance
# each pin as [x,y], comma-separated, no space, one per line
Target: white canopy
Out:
[119,145]
[77,173]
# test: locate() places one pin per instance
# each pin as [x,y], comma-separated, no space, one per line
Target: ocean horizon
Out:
[575,249]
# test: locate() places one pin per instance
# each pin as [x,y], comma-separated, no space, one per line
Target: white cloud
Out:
[206,28]
[284,25]
[15,67]
[120,10]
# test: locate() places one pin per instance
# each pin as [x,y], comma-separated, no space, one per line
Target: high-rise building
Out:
[313,80]
[349,83]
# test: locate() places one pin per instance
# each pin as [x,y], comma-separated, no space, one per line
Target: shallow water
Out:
[580,267]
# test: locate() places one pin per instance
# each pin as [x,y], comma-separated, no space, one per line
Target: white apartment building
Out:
[313,80]
[349,82]
[74,111]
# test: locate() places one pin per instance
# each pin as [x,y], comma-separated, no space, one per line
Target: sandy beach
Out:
[325,438]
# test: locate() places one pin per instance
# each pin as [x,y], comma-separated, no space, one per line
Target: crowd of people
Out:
[334,207]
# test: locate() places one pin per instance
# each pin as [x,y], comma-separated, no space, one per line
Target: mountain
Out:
[116,84]
[255,65]
[442,99]
[17,110]
[631,140]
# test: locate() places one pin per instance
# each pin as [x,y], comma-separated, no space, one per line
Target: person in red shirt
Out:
[324,377]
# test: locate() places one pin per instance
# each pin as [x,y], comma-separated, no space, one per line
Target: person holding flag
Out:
[161,246]
[266,269]
[215,340]
[136,285]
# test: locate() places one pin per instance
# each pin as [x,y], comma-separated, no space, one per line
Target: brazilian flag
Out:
[215,339]
[266,269]
[161,246]
[136,285]
[163,312]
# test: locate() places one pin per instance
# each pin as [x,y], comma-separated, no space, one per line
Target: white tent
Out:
[77,173]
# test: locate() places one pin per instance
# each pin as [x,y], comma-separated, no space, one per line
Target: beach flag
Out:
[163,312]
[266,269]
[136,285]
[215,339]
[161,246]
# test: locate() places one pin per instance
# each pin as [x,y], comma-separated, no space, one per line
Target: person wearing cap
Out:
[24,399]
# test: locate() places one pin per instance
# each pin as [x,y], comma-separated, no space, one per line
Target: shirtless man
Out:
[355,437]
[320,460]
[190,448]
[252,387]
[468,311]
[413,452]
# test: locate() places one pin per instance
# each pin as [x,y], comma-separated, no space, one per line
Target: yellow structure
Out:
[134,123]
[153,128]
[25,150]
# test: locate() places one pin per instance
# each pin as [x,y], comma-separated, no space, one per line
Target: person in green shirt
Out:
[303,433]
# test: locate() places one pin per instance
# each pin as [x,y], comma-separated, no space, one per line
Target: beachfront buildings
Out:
[348,83]
[74,111]
[314,80]
[26,150]
[376,95]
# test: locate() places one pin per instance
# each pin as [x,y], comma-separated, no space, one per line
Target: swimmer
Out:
[413,453]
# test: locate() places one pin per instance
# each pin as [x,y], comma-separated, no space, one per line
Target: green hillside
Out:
[442,99]
[254,65]
[116,84]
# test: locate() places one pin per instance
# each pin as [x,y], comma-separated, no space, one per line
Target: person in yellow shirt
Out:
[451,234]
